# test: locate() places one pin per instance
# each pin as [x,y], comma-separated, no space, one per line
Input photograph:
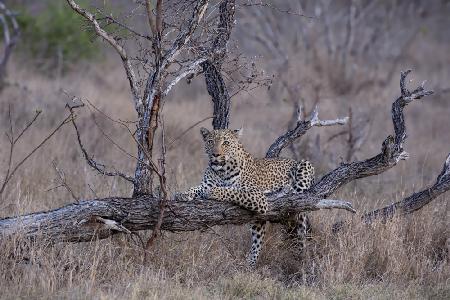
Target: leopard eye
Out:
[226,143]
[209,142]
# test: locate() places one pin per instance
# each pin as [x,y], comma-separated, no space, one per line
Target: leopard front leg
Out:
[253,200]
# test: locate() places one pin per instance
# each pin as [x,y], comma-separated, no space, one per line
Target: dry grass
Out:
[407,258]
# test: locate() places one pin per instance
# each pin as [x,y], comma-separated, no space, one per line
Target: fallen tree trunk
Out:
[101,218]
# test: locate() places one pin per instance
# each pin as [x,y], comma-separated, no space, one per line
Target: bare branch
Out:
[171,143]
[159,12]
[192,68]
[300,129]
[185,35]
[215,83]
[163,191]
[101,168]
[9,175]
[330,204]
[275,8]
[226,22]
[314,120]
[62,180]
[119,49]
[417,200]
[151,21]
[217,89]
[391,153]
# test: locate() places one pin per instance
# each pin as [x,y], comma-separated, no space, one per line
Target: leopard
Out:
[236,176]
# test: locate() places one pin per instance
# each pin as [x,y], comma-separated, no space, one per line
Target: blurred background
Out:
[343,56]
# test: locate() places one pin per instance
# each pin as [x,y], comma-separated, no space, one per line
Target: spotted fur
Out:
[234,175]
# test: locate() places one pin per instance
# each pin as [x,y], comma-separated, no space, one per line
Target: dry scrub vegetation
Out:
[406,258]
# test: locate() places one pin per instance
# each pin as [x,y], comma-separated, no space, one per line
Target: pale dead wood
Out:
[191,69]
[79,222]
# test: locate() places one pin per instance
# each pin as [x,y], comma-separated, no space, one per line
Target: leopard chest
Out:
[229,175]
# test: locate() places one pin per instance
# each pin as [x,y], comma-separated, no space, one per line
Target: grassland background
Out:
[404,259]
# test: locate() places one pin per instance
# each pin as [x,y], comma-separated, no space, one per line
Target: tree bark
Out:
[417,200]
[101,218]
[219,94]
[211,68]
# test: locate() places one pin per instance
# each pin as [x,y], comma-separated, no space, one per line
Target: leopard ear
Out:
[238,132]
[204,132]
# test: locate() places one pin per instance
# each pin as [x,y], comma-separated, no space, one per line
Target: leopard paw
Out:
[183,197]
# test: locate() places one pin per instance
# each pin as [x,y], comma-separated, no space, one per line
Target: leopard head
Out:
[222,147]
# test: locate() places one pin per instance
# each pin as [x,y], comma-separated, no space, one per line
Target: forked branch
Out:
[299,130]
[391,152]
[13,140]
[99,167]
[114,43]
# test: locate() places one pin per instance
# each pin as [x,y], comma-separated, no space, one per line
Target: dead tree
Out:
[181,45]
[101,218]
[11,33]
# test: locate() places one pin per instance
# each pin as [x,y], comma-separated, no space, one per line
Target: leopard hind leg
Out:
[258,230]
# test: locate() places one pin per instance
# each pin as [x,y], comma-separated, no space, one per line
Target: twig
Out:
[101,168]
[63,181]
[275,8]
[163,188]
[169,146]
[119,49]
[21,162]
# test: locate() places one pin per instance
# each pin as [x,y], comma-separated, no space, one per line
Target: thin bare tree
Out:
[11,32]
